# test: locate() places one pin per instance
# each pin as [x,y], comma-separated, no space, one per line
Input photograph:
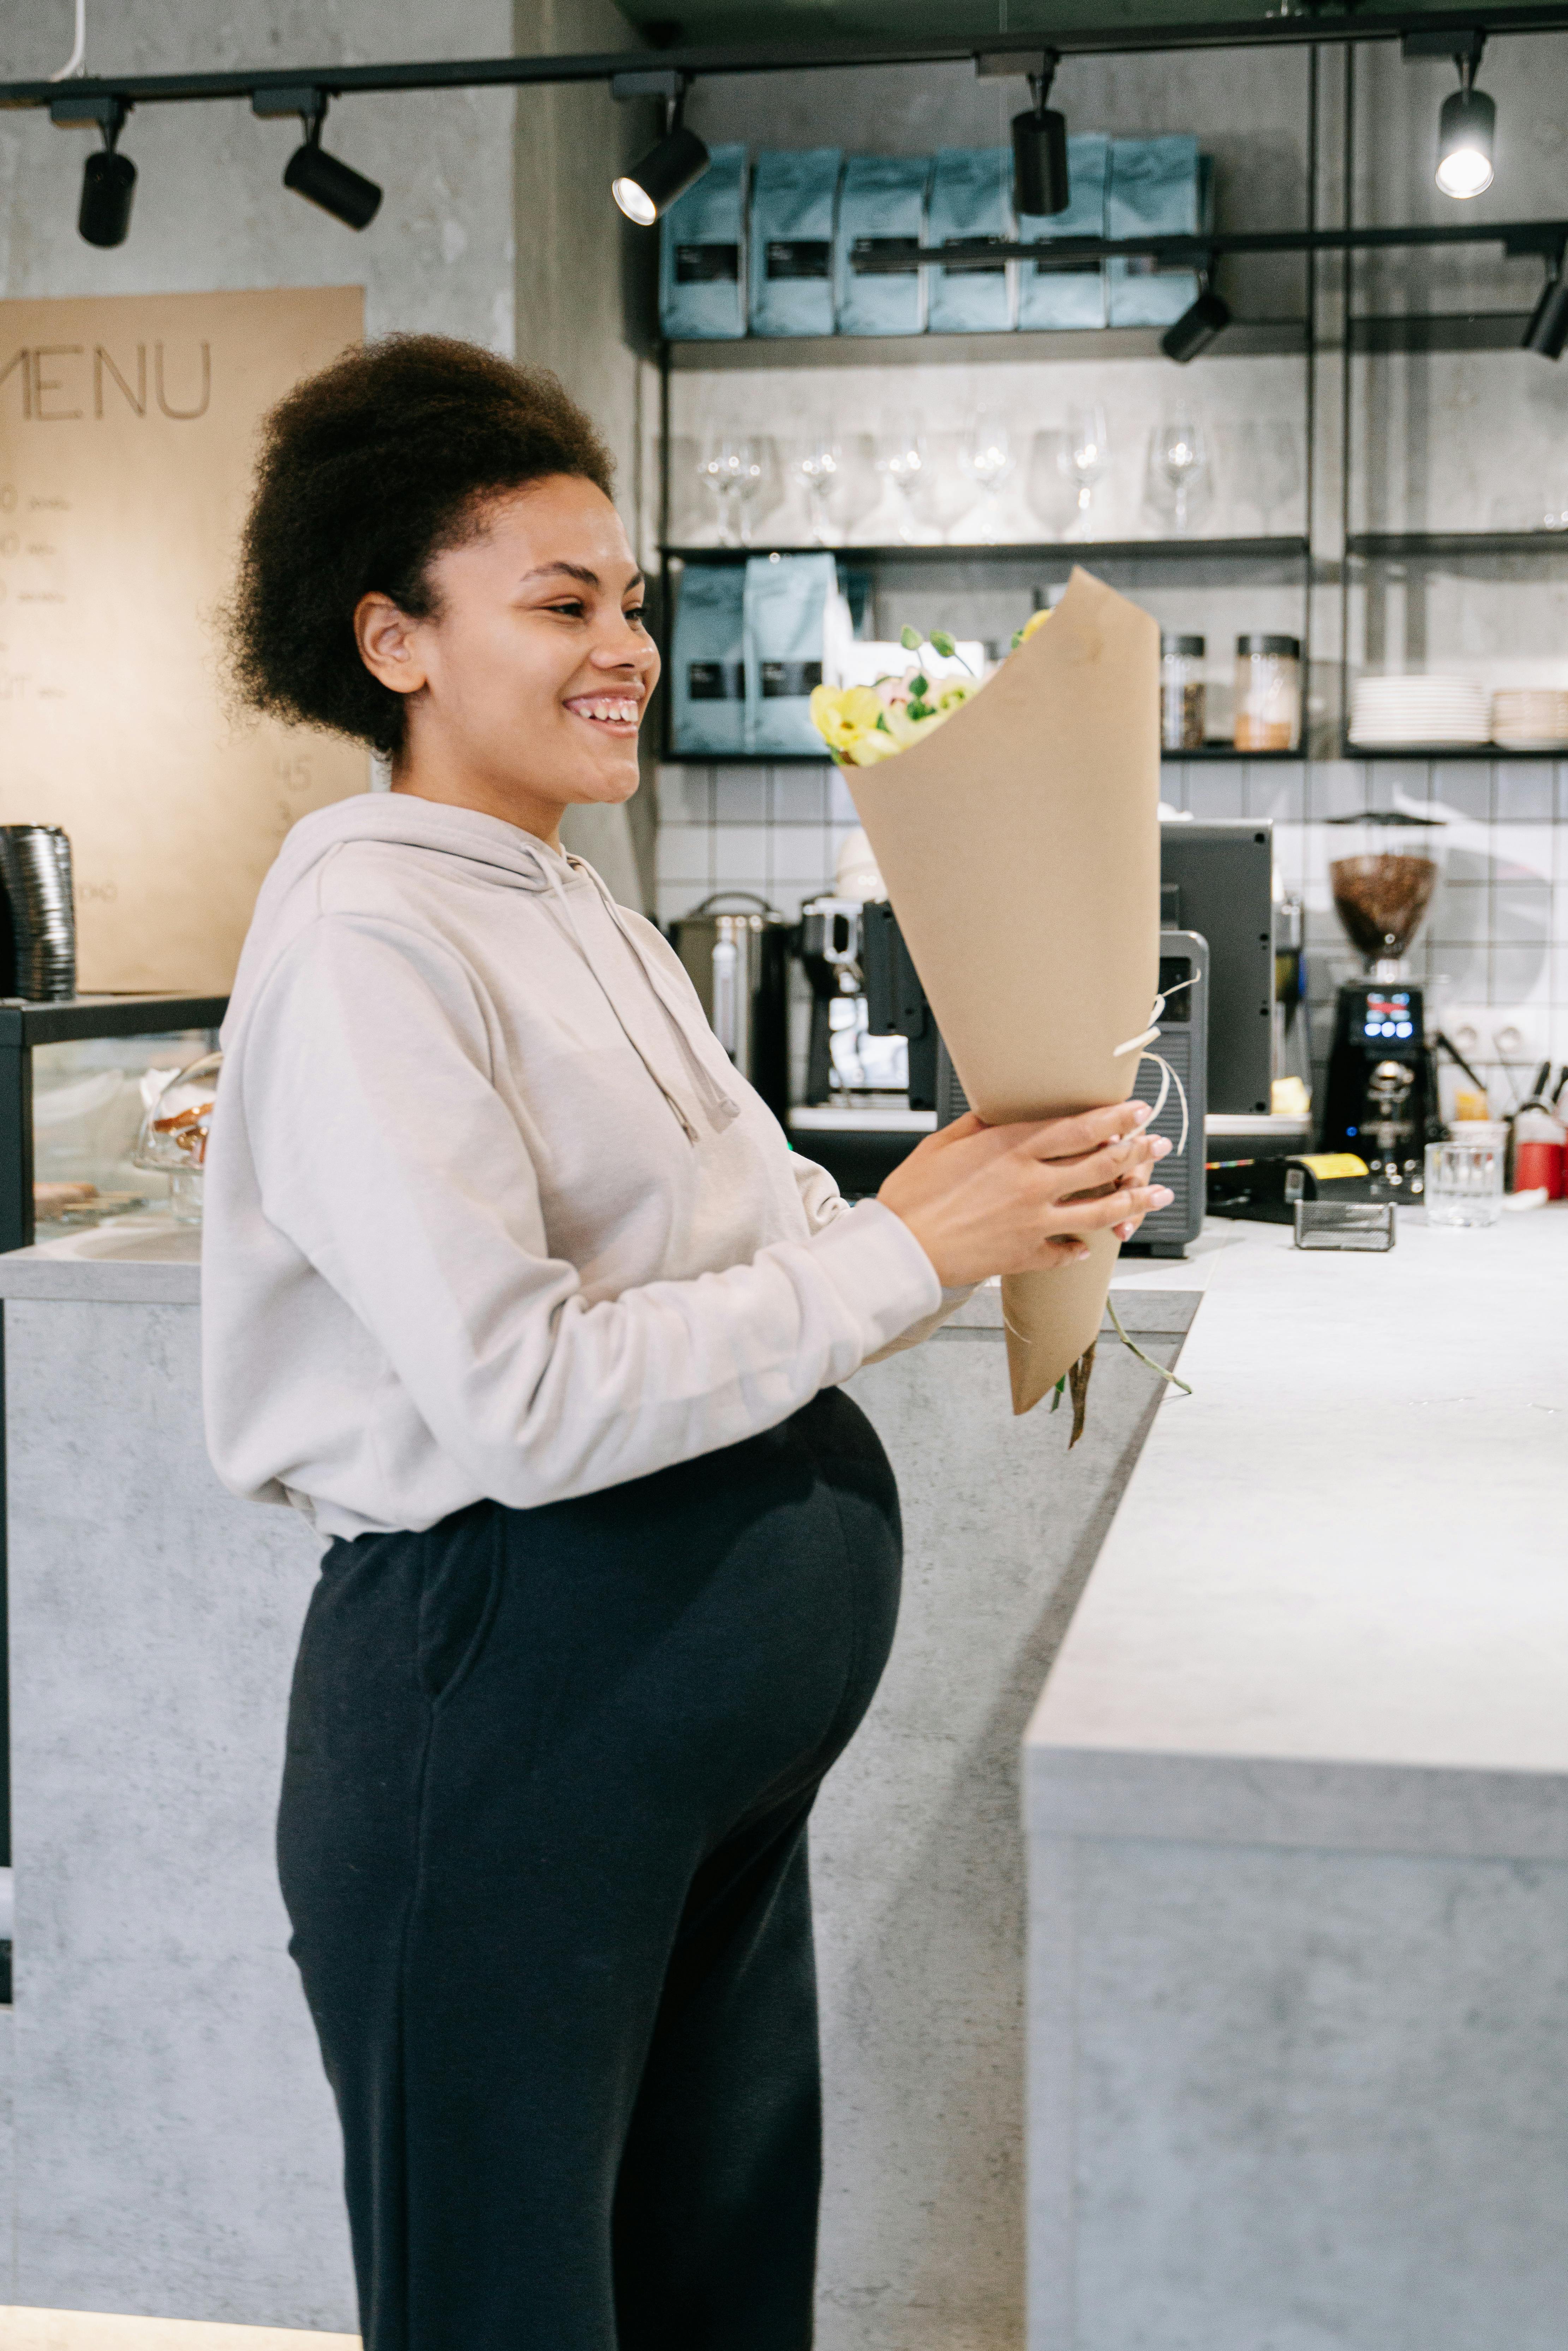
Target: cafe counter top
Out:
[1297,1807]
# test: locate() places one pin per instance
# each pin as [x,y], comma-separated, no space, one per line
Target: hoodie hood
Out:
[654,1009]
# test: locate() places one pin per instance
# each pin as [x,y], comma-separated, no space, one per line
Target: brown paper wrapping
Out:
[1020,844]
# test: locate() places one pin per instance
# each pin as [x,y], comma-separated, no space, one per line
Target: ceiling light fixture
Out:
[1041,183]
[310,171]
[108,179]
[1196,327]
[676,163]
[1466,126]
[1548,329]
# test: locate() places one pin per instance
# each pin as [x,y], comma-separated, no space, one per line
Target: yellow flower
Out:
[843,715]
[1036,620]
[867,749]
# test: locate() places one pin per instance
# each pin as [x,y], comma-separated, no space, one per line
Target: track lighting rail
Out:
[1546,238]
[784,56]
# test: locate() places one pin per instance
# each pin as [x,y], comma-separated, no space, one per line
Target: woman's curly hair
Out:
[368,470]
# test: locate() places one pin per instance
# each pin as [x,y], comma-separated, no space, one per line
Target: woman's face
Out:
[529,685]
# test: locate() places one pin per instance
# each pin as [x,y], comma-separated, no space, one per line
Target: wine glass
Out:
[901,461]
[732,466]
[1088,456]
[1277,468]
[1178,464]
[986,458]
[818,461]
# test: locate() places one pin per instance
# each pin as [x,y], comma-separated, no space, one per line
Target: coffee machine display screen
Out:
[1388,1014]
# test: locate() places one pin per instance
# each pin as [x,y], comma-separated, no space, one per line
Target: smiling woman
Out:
[514,1287]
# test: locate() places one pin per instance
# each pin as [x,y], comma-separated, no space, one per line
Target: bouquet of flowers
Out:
[1015,822]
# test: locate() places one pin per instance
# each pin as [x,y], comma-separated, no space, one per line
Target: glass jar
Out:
[1268,694]
[1181,694]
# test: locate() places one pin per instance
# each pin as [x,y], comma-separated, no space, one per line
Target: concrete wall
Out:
[587,307]
[209,210]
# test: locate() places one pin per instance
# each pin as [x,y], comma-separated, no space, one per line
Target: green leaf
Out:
[1018,640]
[919,687]
[943,644]
[1057,1394]
[910,639]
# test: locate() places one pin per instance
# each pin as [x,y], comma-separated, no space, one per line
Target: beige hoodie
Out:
[488,1212]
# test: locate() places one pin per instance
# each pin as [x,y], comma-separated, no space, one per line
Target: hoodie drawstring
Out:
[718,1107]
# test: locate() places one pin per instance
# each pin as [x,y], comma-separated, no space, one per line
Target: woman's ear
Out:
[389,643]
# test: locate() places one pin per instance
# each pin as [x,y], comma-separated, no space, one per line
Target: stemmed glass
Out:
[1178,463]
[901,462]
[1278,463]
[986,458]
[1088,456]
[818,461]
[733,468]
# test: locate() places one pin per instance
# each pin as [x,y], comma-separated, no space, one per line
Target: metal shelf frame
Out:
[1059,553]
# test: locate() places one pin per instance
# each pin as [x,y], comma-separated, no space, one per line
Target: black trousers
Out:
[543,1845]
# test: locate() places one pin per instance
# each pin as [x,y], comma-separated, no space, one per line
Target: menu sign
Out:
[128,430]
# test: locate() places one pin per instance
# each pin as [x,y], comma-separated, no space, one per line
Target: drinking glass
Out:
[902,462]
[1088,456]
[733,467]
[1178,466]
[1464,1179]
[818,461]
[1053,485]
[1277,468]
[986,458]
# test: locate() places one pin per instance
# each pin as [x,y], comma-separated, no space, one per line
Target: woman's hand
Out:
[984,1199]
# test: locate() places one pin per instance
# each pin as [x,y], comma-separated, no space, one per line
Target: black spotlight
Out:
[665,171]
[1196,327]
[1040,149]
[107,185]
[1466,126]
[108,180]
[344,192]
[1548,329]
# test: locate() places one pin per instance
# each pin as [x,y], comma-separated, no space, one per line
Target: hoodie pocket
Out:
[460,1596]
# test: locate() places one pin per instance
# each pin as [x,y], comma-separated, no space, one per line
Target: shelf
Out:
[1211,753]
[1421,754]
[1058,551]
[1440,545]
[1458,331]
[1243,339]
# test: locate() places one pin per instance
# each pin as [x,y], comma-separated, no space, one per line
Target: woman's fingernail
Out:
[1163,1147]
[1143,1112]
[1125,1232]
[1082,1250]
[1162,1199]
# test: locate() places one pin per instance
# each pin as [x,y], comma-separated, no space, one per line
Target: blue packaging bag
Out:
[794,211]
[971,196]
[786,598]
[882,210]
[1157,187]
[701,254]
[1075,297]
[708,664]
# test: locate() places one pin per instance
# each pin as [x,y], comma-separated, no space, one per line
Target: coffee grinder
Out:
[1380,1099]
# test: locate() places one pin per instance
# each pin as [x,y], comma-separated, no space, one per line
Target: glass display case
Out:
[76,1081]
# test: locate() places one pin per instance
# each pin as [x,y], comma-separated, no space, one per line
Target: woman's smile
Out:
[619,713]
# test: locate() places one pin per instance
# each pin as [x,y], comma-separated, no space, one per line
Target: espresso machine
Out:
[1380,1097]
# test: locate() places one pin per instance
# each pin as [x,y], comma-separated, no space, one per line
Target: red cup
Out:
[1539,1166]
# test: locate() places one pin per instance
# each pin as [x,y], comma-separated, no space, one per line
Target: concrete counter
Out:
[1298,1809]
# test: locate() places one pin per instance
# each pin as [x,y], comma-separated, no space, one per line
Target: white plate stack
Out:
[1530,718]
[1394,713]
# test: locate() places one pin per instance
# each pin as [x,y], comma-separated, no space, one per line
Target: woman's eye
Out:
[573,605]
[635,614]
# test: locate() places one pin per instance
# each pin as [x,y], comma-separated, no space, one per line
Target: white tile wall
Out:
[1492,953]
